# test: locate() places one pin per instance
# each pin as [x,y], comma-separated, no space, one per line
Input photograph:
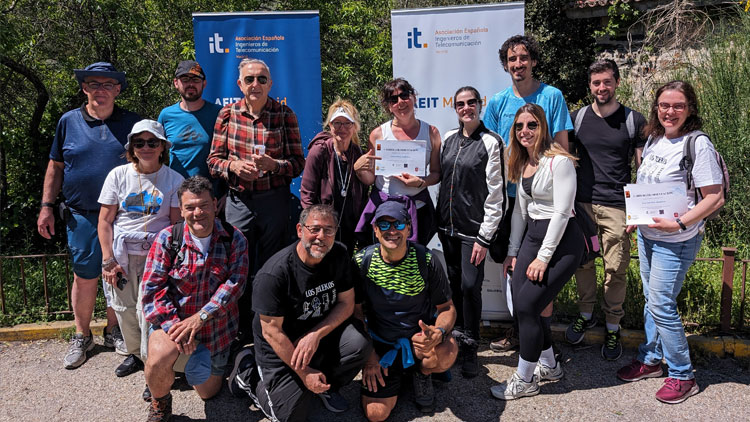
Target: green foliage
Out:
[620,16]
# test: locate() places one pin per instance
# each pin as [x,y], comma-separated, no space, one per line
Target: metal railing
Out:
[45,283]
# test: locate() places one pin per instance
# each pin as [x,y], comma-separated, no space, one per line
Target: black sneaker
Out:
[470,366]
[575,332]
[130,365]
[146,396]
[244,376]
[424,394]
[333,401]
[612,348]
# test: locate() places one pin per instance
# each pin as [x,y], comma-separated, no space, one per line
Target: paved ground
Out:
[35,387]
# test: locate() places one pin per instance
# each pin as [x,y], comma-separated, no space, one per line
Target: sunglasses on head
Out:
[141,142]
[262,79]
[469,103]
[530,125]
[384,225]
[404,95]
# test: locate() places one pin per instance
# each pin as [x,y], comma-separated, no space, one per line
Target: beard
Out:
[193,95]
[315,254]
[601,103]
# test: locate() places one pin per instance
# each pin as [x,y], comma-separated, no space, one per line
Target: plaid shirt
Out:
[212,284]
[235,134]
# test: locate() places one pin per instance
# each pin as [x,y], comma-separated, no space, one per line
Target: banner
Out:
[289,42]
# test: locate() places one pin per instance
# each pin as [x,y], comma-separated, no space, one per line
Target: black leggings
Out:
[530,297]
[466,282]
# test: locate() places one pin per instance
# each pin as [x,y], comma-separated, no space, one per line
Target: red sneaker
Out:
[637,371]
[677,391]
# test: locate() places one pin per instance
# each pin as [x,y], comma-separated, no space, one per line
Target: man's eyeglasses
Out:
[107,86]
[190,80]
[678,107]
[262,79]
[327,230]
[530,125]
[404,95]
[141,142]
[469,103]
[338,125]
[384,225]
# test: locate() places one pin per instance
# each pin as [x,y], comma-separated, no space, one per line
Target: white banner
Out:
[439,50]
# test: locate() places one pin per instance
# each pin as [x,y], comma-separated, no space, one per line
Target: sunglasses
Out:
[386,225]
[140,142]
[469,103]
[339,125]
[189,80]
[327,230]
[107,86]
[530,125]
[678,107]
[404,95]
[262,79]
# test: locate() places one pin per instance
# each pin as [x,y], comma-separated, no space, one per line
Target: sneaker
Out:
[515,388]
[76,354]
[424,394]
[637,371]
[109,342]
[470,366]
[545,373]
[333,401]
[575,332]
[130,365]
[508,342]
[612,348]
[119,341]
[677,391]
[160,410]
[244,376]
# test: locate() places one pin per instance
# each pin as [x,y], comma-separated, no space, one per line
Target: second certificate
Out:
[398,157]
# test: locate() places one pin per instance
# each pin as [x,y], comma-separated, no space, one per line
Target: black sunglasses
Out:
[530,125]
[140,142]
[262,79]
[404,95]
[471,103]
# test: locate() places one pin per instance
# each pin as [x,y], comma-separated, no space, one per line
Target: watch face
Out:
[204,316]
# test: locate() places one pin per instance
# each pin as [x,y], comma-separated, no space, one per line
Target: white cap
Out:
[341,111]
[150,126]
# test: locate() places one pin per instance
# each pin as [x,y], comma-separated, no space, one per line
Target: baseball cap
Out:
[341,112]
[189,67]
[394,209]
[151,126]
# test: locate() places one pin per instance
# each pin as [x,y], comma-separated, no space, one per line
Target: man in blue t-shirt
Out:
[189,124]
[519,55]
[88,144]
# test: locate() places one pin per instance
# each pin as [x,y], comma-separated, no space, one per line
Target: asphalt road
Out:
[35,387]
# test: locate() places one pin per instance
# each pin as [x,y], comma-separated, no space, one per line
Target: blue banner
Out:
[289,42]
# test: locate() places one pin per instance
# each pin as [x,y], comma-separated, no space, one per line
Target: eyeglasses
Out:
[677,107]
[338,125]
[404,95]
[107,86]
[327,230]
[531,125]
[262,79]
[141,142]
[189,80]
[469,103]
[384,225]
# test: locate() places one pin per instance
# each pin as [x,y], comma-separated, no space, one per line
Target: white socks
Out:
[548,358]
[526,369]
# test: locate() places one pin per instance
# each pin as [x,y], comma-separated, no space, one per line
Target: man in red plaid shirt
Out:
[190,291]
[256,148]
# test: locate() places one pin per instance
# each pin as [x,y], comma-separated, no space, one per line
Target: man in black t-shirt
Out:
[607,136]
[400,289]
[306,342]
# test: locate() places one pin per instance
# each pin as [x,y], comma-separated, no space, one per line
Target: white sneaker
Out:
[545,373]
[516,388]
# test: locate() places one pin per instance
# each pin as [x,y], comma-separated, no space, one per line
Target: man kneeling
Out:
[194,275]
[400,287]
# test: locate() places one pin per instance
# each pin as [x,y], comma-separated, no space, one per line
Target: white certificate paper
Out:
[663,200]
[400,157]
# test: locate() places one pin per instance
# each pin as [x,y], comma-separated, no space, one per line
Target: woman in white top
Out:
[398,98]
[545,258]
[138,199]
[668,247]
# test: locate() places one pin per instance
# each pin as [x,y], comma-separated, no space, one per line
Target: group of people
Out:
[207,284]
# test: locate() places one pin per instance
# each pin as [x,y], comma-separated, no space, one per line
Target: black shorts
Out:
[396,373]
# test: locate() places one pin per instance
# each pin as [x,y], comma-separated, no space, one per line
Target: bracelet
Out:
[107,263]
[421,183]
[682,225]
[48,204]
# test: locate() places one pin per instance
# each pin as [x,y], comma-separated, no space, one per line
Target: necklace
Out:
[146,211]
[345,176]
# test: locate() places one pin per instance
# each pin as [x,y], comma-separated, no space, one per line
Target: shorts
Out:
[396,373]
[199,365]
[83,242]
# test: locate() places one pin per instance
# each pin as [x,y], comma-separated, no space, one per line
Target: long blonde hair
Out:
[349,107]
[518,156]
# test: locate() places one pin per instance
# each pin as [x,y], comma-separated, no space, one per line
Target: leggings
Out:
[531,297]
[466,282]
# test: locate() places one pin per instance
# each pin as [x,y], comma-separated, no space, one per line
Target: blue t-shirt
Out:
[190,133]
[89,148]
[502,108]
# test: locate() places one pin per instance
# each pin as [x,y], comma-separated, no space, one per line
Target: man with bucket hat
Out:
[88,144]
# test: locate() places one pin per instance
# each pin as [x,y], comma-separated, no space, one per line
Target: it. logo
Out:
[214,44]
[413,39]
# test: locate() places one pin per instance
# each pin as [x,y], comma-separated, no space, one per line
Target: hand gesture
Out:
[426,340]
[244,169]
[314,380]
[366,161]
[304,349]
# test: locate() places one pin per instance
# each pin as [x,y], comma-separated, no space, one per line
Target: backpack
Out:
[629,120]
[178,230]
[364,266]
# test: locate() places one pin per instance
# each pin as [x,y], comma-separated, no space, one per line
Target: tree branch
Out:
[42,95]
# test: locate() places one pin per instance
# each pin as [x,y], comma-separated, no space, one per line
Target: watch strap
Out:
[682,225]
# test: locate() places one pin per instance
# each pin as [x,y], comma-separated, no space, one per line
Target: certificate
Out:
[398,157]
[663,200]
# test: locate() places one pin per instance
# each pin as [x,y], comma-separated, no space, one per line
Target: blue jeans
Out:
[663,269]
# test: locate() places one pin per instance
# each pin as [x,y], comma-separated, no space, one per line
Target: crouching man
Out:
[195,272]
[401,288]
[306,341]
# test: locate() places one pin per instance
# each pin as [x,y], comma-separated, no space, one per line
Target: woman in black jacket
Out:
[471,204]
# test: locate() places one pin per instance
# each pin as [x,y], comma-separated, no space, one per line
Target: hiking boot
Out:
[612,348]
[244,376]
[508,342]
[442,376]
[76,354]
[637,371]
[575,331]
[130,365]
[545,373]
[515,388]
[160,410]
[470,366]
[677,391]
[424,395]
[333,401]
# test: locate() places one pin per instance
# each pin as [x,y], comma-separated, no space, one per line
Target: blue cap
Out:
[103,69]
[394,209]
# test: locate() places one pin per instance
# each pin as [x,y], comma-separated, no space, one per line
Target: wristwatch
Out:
[683,227]
[48,204]
[203,316]
[443,333]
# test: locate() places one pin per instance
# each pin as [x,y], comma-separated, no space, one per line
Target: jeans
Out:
[663,269]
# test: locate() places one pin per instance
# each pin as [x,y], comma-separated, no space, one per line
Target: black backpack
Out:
[178,231]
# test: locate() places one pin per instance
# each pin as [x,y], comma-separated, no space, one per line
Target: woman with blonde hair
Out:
[543,259]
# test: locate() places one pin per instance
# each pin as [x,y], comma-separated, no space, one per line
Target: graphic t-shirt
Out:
[302,295]
[190,133]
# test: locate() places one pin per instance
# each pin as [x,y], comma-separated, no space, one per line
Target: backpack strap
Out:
[579,119]
[629,122]
[227,240]
[364,266]
[178,237]
[688,158]
[421,252]
[422,261]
